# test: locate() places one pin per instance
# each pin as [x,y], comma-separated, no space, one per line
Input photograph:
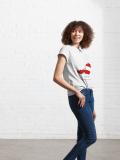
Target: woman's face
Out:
[77,35]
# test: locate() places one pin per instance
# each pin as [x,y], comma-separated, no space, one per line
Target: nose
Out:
[77,33]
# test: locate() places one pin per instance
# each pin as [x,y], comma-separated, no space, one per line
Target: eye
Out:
[73,31]
[80,31]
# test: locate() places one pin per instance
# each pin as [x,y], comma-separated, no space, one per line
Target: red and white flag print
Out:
[85,72]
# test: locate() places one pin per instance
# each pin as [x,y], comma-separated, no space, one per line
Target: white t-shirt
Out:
[77,70]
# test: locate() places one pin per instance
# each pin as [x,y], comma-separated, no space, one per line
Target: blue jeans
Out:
[86,131]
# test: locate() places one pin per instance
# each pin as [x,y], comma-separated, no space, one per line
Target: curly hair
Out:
[88,33]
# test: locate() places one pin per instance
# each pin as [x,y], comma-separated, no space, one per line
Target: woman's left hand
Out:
[94,115]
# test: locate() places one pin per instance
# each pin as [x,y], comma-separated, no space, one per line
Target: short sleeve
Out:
[64,51]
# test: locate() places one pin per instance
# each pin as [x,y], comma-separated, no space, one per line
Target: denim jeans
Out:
[86,131]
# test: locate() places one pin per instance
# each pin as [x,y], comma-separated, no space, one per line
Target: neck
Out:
[75,45]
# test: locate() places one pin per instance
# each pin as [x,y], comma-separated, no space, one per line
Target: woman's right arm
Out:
[58,78]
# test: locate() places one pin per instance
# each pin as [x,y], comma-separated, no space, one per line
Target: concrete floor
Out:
[39,149]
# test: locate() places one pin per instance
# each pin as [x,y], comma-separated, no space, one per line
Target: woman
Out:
[73,72]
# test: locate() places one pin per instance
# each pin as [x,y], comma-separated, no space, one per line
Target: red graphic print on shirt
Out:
[86,70]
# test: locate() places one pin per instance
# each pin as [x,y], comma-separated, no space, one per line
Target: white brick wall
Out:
[111,69]
[31,104]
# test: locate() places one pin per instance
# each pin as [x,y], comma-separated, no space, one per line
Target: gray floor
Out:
[55,149]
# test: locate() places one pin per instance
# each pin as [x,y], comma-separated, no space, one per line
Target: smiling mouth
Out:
[76,37]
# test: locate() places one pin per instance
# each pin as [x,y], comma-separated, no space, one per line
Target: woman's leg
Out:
[80,131]
[80,135]
[85,118]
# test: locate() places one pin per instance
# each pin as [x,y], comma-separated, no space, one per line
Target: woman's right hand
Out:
[81,97]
